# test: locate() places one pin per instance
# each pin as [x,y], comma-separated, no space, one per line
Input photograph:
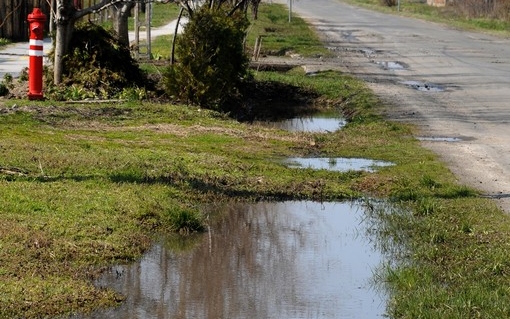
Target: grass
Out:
[85,187]
[4,42]
[279,37]
[447,15]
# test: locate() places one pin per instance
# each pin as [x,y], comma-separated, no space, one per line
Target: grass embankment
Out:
[87,186]
[450,15]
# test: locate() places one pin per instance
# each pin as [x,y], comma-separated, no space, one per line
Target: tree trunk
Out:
[255,8]
[121,13]
[65,24]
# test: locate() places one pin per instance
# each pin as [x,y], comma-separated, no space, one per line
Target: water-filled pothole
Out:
[439,139]
[424,86]
[266,260]
[392,65]
[339,164]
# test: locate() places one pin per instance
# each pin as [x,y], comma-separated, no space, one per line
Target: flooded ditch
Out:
[319,123]
[296,259]
[339,164]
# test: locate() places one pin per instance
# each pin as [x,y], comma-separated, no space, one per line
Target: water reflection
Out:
[321,123]
[439,139]
[340,164]
[266,260]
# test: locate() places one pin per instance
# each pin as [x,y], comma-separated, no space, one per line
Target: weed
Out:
[3,89]
[5,84]
[429,182]
[426,206]
[186,221]
[4,42]
[8,79]
[133,94]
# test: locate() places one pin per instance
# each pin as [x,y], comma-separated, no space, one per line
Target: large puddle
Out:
[265,260]
[319,123]
[339,164]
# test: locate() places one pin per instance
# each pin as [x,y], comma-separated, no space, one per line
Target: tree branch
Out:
[10,13]
[236,7]
[103,5]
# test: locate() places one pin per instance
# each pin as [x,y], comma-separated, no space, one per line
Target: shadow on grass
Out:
[206,185]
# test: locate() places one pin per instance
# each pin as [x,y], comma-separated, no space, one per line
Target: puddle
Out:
[321,123]
[439,139]
[392,65]
[348,35]
[265,260]
[340,164]
[423,86]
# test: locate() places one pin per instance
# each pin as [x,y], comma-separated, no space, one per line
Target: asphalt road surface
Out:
[454,85]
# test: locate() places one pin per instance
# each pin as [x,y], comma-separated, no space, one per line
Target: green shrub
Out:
[211,62]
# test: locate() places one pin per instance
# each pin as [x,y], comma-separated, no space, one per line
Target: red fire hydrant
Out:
[36,21]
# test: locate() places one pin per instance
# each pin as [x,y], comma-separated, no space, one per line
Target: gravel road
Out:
[454,85]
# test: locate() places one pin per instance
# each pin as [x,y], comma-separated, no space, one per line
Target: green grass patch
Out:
[281,37]
[87,186]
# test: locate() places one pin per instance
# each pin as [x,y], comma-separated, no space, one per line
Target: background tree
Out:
[233,5]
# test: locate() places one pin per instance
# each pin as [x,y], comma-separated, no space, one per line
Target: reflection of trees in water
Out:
[239,269]
[266,260]
[238,275]
[316,123]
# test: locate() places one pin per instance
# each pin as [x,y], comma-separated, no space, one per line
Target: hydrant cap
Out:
[36,15]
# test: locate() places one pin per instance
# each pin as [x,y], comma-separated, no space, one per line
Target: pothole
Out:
[369,52]
[424,86]
[392,65]
[439,138]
